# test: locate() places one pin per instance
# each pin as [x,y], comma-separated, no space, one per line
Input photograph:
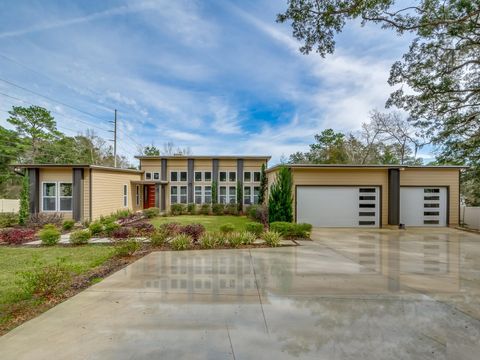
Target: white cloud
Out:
[225,118]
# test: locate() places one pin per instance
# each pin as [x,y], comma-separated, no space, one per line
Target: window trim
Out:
[232,172]
[125,196]
[176,194]
[220,194]
[234,195]
[205,176]
[249,196]
[55,196]
[180,176]
[259,176]
[220,177]
[65,197]
[195,176]
[180,194]
[195,195]
[245,173]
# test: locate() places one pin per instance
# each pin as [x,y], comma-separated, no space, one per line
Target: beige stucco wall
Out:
[436,177]
[107,191]
[55,175]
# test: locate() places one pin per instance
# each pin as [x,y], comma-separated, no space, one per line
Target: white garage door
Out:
[338,206]
[423,206]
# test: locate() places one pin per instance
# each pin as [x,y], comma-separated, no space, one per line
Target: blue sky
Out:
[221,77]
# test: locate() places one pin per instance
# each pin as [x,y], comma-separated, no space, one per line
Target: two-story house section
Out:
[184,179]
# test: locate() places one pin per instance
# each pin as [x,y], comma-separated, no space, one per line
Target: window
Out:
[431,191]
[65,196]
[247,176]
[207,194]
[173,194]
[223,195]
[368,190]
[232,176]
[156,176]
[198,176]
[256,176]
[198,194]
[183,194]
[137,195]
[247,195]
[256,192]
[148,176]
[173,176]
[208,175]
[232,195]
[223,176]
[49,195]
[125,195]
[183,176]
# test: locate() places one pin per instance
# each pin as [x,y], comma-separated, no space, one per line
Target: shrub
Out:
[258,213]
[280,197]
[191,209]
[254,227]
[80,237]
[121,214]
[17,236]
[142,228]
[305,227]
[68,224]
[272,238]
[49,235]
[227,228]
[172,229]
[126,248]
[231,209]
[181,242]
[151,212]
[110,227]
[95,228]
[247,237]
[122,233]
[209,241]
[133,217]
[217,209]
[291,230]
[177,209]
[204,209]
[8,220]
[235,240]
[41,219]
[159,237]
[45,280]
[195,231]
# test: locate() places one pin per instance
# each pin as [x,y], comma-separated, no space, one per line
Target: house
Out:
[330,195]
[324,195]
[86,192]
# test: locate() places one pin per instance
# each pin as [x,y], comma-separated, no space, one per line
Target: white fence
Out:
[470,216]
[9,205]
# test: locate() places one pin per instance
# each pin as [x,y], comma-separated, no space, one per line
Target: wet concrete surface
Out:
[349,294]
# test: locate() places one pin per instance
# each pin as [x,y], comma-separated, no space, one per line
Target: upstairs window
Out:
[232,176]
[223,176]
[198,176]
[208,176]
[174,176]
[256,176]
[148,176]
[183,176]
[247,176]
[156,176]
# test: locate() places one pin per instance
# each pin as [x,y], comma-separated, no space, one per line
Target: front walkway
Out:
[350,294]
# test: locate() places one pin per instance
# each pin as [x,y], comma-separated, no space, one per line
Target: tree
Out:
[280,199]
[263,185]
[35,125]
[151,150]
[169,149]
[24,211]
[239,196]
[214,192]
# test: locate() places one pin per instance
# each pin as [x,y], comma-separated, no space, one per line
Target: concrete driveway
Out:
[349,294]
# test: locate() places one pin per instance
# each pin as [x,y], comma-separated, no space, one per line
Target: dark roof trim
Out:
[85,166]
[374,166]
[185,157]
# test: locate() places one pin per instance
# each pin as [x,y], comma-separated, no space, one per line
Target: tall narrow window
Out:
[232,194]
[174,176]
[208,175]
[148,176]
[137,195]
[49,195]
[198,176]
[198,194]
[183,176]
[173,194]
[256,176]
[256,192]
[183,194]
[223,195]
[223,176]
[207,194]
[65,196]
[125,195]
[247,176]
[232,176]
[247,193]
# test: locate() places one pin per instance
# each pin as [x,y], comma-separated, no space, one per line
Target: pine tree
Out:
[239,196]
[263,186]
[280,200]
[23,213]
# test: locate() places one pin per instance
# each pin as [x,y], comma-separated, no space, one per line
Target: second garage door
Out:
[338,206]
[423,206]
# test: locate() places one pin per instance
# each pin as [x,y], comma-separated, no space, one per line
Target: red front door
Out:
[150,196]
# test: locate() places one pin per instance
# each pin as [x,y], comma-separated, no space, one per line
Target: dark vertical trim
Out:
[240,178]
[393,196]
[90,189]
[77,184]
[34,190]
[215,166]
[157,195]
[190,175]
[459,197]
[163,199]
[448,207]
[163,170]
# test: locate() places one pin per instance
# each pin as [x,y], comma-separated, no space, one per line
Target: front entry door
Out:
[149,196]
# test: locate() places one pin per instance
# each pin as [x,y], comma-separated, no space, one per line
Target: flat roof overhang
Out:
[365,167]
[148,182]
[83,166]
[205,157]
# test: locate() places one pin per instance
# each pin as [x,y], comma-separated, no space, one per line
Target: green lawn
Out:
[14,260]
[211,222]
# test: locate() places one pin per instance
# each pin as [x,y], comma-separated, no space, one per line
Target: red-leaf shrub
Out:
[195,231]
[142,228]
[17,236]
[122,233]
[171,229]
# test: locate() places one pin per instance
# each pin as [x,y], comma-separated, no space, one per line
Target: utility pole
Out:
[114,131]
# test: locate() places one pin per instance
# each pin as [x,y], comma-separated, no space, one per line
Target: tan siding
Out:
[86,194]
[151,165]
[436,177]
[107,191]
[229,165]
[254,163]
[203,164]
[56,175]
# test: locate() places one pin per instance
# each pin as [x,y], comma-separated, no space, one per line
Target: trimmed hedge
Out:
[254,228]
[80,237]
[291,230]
